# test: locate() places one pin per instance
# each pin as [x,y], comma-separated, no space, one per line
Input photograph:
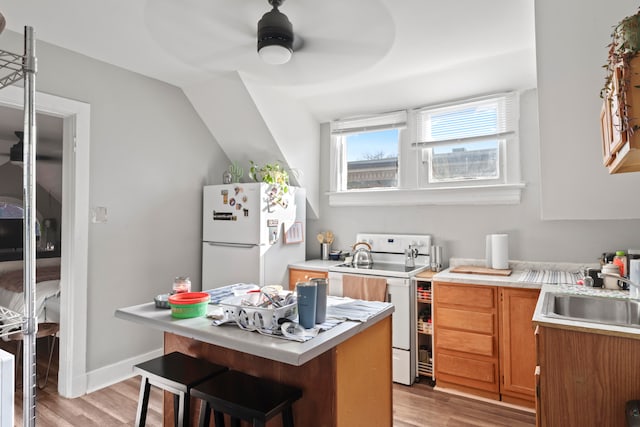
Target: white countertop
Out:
[483,279]
[518,268]
[234,338]
[315,264]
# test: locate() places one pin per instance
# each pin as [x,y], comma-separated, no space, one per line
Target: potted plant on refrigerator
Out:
[276,176]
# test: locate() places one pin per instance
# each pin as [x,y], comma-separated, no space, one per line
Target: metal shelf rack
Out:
[15,68]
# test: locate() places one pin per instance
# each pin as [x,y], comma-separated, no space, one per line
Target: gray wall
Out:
[571,47]
[150,157]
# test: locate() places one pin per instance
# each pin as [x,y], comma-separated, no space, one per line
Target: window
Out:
[366,151]
[466,143]
[456,153]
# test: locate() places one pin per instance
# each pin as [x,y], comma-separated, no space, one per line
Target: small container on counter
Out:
[620,259]
[181,284]
[608,281]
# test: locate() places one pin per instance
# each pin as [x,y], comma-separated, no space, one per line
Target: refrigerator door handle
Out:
[231,245]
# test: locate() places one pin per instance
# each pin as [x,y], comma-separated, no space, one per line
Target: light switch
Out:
[99,215]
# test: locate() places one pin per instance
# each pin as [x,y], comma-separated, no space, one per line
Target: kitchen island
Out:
[344,373]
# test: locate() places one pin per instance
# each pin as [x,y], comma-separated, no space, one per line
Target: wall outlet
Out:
[99,215]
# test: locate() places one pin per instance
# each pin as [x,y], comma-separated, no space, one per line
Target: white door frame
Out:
[72,374]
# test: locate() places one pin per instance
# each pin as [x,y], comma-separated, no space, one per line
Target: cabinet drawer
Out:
[296,276]
[475,297]
[467,342]
[471,369]
[465,320]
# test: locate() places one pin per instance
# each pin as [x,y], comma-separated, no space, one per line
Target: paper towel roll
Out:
[500,251]
[634,276]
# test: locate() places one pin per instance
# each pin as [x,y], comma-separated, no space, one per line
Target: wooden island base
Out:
[348,385]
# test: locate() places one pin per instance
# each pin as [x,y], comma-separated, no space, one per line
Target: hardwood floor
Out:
[415,406]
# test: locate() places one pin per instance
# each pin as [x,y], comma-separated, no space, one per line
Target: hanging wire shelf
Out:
[11,71]
[11,322]
[12,68]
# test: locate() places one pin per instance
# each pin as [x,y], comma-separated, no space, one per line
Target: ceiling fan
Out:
[17,150]
[275,36]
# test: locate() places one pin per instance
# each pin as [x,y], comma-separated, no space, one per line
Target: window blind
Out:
[467,121]
[393,120]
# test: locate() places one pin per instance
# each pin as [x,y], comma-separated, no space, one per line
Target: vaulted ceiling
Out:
[352,56]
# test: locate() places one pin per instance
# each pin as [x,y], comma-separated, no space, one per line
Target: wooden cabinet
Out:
[297,275]
[466,338]
[517,345]
[619,119]
[585,378]
[485,342]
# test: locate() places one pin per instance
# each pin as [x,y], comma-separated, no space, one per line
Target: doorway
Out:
[72,374]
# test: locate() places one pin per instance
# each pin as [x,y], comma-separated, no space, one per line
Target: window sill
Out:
[505,194]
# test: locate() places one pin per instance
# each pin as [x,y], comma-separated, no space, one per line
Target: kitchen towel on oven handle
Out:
[364,288]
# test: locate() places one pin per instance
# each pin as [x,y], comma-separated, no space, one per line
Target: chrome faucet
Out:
[635,294]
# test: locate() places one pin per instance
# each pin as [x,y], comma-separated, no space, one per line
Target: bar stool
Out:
[176,373]
[245,397]
[45,329]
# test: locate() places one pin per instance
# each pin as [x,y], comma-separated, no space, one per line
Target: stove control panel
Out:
[396,243]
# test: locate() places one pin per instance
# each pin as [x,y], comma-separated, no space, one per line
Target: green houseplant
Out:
[275,175]
[624,47]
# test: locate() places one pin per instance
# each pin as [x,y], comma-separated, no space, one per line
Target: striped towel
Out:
[550,276]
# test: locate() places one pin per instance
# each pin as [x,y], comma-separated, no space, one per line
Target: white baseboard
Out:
[109,375]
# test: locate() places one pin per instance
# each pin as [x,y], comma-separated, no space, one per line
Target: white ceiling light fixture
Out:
[275,36]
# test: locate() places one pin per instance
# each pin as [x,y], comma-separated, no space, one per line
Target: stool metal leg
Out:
[219,418]
[143,402]
[205,416]
[182,413]
[53,346]
[235,422]
[287,417]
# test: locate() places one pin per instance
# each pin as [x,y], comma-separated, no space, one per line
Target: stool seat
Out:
[245,397]
[176,373]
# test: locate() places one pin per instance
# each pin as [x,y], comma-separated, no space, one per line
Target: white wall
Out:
[462,229]
[572,38]
[150,156]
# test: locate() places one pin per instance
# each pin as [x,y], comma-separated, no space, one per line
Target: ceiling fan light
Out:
[275,37]
[275,54]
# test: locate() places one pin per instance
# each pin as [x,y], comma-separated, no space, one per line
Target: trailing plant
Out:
[624,46]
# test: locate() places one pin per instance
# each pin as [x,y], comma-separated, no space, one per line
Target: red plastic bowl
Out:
[189,298]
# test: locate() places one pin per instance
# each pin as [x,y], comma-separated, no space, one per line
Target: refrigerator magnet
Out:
[225,196]
[232,202]
[246,212]
[239,206]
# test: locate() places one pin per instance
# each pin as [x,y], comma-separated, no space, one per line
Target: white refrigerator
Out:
[246,238]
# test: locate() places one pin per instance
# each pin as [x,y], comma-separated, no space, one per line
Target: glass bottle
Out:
[621,261]
[181,284]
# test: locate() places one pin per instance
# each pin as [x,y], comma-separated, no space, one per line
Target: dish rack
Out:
[247,315]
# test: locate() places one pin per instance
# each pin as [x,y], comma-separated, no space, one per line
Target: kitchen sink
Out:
[612,311]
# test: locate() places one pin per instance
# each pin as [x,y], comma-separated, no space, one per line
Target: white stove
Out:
[389,261]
